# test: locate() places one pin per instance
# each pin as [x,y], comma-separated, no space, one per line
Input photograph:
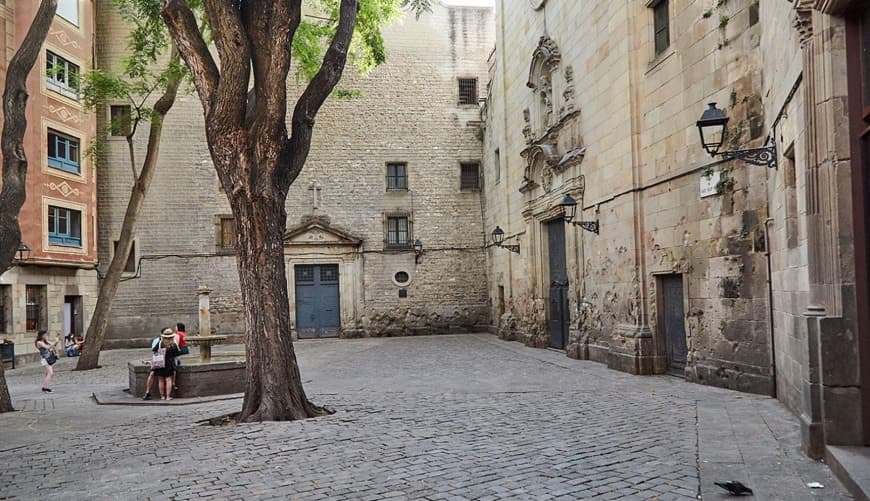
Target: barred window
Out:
[469,176]
[467,91]
[34,299]
[397,232]
[397,176]
[226,233]
[130,265]
[661,26]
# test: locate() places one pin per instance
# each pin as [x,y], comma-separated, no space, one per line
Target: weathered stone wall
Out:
[641,165]
[405,111]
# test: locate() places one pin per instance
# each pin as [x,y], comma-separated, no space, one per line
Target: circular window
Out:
[401,278]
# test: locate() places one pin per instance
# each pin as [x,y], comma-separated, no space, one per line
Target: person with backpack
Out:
[163,363]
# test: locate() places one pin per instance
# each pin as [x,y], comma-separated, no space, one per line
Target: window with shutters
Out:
[661,25]
[63,152]
[64,227]
[469,179]
[225,234]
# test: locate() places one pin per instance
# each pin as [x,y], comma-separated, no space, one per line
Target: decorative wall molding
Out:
[65,189]
[64,39]
[64,114]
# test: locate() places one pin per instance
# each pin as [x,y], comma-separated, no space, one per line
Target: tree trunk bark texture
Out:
[273,391]
[12,195]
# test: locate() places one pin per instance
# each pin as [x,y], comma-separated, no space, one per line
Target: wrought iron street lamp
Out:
[23,252]
[498,239]
[569,210]
[712,128]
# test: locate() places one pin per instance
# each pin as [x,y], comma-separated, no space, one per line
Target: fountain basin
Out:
[193,379]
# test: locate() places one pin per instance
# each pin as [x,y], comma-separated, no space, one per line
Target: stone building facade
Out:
[394,160]
[53,286]
[724,272]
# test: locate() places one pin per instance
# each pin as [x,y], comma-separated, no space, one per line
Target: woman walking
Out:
[47,357]
[166,373]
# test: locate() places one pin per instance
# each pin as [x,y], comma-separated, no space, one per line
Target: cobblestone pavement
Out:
[448,417]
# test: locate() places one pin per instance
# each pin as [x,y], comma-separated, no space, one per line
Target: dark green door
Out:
[317,313]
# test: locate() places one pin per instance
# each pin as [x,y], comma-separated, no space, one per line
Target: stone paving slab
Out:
[446,417]
[123,397]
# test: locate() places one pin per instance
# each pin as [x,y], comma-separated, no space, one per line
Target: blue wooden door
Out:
[317,313]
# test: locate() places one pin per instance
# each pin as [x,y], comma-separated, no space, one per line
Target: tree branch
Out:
[188,39]
[228,110]
[316,92]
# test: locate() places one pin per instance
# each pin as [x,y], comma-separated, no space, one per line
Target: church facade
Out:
[747,270]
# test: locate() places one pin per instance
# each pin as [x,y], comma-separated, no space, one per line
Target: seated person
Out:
[71,347]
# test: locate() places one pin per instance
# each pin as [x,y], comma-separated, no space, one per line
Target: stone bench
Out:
[193,379]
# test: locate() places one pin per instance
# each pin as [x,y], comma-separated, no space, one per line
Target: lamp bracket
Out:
[766,155]
[587,225]
[512,248]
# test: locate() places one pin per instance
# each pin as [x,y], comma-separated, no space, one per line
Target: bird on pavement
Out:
[735,488]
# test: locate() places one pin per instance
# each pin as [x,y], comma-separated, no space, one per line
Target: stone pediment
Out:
[319,232]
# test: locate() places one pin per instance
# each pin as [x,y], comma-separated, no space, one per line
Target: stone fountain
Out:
[198,379]
[204,340]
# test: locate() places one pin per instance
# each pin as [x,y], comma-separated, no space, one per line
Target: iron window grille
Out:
[120,120]
[130,265]
[34,307]
[63,152]
[61,75]
[398,234]
[661,26]
[467,91]
[64,226]
[469,176]
[397,176]
[227,237]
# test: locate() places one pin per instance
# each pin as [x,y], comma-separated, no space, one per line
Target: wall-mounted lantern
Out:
[418,250]
[23,252]
[712,127]
[498,239]
[569,210]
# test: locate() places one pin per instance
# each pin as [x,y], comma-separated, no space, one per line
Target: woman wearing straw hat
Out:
[167,372]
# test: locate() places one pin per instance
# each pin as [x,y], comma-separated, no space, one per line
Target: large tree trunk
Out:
[96,334]
[12,195]
[274,388]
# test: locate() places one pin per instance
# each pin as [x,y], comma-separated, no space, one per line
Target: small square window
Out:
[467,91]
[398,232]
[469,176]
[397,176]
[130,265]
[661,26]
[120,120]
